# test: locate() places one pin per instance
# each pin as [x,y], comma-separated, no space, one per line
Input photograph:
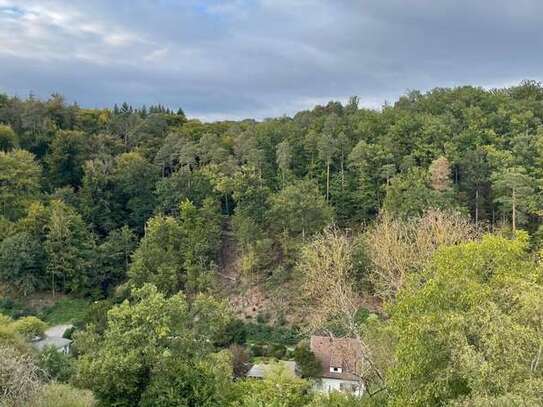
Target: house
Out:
[60,344]
[261,370]
[54,337]
[341,362]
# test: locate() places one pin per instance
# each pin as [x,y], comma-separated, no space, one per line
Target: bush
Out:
[259,350]
[66,311]
[265,333]
[307,362]
[234,333]
[55,365]
[29,327]
[278,351]
[262,317]
[63,395]
[240,360]
[13,309]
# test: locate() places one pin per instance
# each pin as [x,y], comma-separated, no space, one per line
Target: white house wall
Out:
[326,385]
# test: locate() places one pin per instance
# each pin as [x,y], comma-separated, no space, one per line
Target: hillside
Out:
[183,252]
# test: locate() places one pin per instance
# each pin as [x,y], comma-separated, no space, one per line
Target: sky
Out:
[236,59]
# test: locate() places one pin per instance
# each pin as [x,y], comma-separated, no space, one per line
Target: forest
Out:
[181,252]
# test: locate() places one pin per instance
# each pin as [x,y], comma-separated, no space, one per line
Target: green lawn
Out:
[65,311]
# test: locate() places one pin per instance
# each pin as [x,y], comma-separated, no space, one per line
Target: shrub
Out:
[234,333]
[278,351]
[29,327]
[63,395]
[55,365]
[307,362]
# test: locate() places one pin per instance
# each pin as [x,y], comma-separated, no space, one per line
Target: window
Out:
[335,369]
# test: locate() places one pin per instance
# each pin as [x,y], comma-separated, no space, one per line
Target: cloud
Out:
[247,58]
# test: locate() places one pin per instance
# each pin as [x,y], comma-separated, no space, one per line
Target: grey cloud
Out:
[241,58]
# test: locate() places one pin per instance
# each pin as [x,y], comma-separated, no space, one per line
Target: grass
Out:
[65,311]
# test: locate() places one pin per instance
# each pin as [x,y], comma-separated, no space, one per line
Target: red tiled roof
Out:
[344,353]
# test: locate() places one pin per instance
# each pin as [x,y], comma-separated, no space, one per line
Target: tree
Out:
[280,388]
[306,361]
[284,158]
[469,327]
[20,177]
[201,230]
[98,201]
[155,348]
[19,377]
[8,138]
[328,289]
[477,178]
[395,248]
[299,209]
[514,192]
[409,194]
[22,263]
[194,186]
[134,179]
[440,171]
[114,257]
[70,249]
[56,365]
[240,360]
[67,153]
[159,258]
[327,150]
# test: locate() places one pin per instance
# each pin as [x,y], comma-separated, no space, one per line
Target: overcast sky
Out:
[261,58]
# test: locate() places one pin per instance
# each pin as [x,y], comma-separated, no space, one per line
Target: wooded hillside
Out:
[415,229]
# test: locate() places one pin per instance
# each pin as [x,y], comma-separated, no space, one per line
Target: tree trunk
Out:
[514,212]
[327,181]
[342,173]
[477,206]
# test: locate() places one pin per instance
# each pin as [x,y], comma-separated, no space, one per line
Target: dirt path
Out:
[228,267]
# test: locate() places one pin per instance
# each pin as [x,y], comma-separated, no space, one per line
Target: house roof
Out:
[57,343]
[57,331]
[261,370]
[344,353]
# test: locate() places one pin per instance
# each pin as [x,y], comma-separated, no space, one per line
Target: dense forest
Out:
[194,249]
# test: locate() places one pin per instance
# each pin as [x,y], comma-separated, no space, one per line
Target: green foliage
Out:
[55,365]
[70,250]
[306,361]
[262,333]
[469,328]
[62,395]
[65,311]
[337,399]
[12,308]
[278,389]
[234,333]
[280,182]
[8,138]
[67,153]
[410,194]
[148,343]
[29,327]
[178,254]
[20,177]
[514,190]
[299,210]
[182,185]
[22,263]
[159,257]
[114,257]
